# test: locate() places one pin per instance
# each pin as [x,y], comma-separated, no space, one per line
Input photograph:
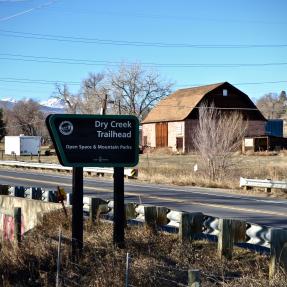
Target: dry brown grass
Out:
[179,170]
[156,260]
[162,166]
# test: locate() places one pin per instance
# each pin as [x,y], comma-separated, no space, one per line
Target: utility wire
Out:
[73,61]
[236,84]
[72,39]
[49,82]
[170,17]
[27,11]
[34,81]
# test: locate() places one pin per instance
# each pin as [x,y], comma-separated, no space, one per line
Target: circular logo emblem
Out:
[66,128]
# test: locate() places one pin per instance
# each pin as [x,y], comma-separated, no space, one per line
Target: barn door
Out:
[161,135]
[179,144]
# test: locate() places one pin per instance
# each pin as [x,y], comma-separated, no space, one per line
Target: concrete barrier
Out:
[30,209]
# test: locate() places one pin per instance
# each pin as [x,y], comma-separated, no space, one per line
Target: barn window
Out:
[225,92]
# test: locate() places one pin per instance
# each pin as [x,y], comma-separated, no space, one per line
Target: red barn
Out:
[173,121]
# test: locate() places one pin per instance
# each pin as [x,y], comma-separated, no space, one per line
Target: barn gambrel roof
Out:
[178,105]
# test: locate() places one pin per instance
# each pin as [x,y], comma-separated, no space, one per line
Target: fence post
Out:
[239,229]
[161,215]
[127,270]
[94,208]
[130,210]
[190,224]
[225,238]
[4,189]
[17,225]
[194,278]
[278,248]
[150,216]
[59,259]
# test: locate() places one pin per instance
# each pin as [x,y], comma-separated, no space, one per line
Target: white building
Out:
[22,145]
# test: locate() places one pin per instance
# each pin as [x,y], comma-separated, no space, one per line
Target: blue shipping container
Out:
[274,128]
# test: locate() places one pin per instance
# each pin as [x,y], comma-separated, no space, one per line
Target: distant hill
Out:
[50,106]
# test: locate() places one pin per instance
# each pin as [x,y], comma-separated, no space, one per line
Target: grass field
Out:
[156,260]
[179,169]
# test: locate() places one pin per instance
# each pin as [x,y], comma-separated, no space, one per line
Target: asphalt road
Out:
[214,202]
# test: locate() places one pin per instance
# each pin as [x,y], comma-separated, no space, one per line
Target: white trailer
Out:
[22,145]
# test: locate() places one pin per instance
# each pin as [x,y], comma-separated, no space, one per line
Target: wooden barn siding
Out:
[190,127]
[256,128]
[175,129]
[148,130]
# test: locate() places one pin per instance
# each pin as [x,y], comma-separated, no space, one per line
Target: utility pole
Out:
[120,112]
[104,105]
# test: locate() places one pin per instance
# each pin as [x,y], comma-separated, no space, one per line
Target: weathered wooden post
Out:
[4,189]
[190,225]
[95,208]
[17,225]
[130,210]
[278,248]
[239,228]
[194,278]
[39,156]
[161,215]
[225,238]
[150,215]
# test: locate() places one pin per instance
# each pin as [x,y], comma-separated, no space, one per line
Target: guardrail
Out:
[38,193]
[268,184]
[189,226]
[129,172]
[168,219]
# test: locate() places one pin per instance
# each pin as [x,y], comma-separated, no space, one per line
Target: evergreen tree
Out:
[2,125]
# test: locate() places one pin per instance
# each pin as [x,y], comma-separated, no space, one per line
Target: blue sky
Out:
[248,33]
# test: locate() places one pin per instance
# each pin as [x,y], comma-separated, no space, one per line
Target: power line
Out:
[49,82]
[238,84]
[170,17]
[73,61]
[34,81]
[72,39]
[27,11]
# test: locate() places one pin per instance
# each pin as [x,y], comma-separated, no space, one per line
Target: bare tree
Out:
[90,98]
[272,105]
[93,93]
[135,90]
[130,88]
[218,135]
[71,101]
[25,118]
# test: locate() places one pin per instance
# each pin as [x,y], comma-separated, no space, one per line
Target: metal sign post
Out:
[77,211]
[119,207]
[100,141]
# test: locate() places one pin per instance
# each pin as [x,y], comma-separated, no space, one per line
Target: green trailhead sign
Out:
[95,140]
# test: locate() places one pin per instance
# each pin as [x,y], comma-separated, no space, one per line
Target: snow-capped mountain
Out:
[50,106]
[53,103]
[9,100]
